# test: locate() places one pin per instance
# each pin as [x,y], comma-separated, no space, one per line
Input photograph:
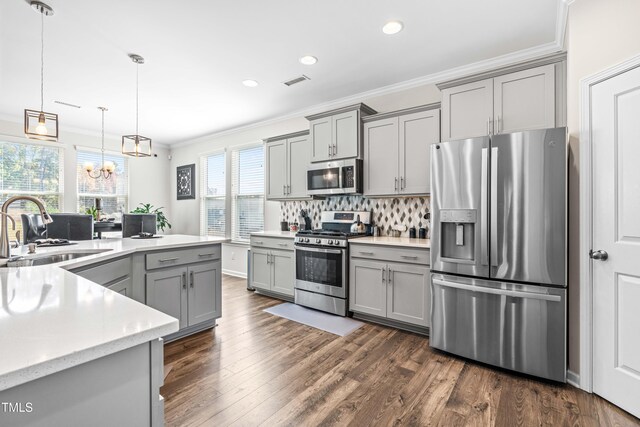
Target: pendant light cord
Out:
[42,62]
[103,164]
[137,93]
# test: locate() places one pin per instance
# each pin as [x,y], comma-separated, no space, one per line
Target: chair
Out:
[70,226]
[32,228]
[133,224]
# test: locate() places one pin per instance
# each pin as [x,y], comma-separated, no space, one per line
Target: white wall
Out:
[148,177]
[186,213]
[600,34]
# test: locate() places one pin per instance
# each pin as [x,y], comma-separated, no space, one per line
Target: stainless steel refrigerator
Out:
[498,250]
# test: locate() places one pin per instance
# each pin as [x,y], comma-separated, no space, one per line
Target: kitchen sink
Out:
[53,258]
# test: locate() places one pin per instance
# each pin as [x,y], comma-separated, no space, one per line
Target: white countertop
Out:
[393,241]
[276,233]
[51,319]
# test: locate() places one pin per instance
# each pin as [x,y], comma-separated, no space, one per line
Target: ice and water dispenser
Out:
[457,234]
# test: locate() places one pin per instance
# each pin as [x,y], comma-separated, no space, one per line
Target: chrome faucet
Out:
[5,248]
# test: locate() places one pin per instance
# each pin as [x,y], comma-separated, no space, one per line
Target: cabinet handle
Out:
[283,244]
[204,255]
[402,182]
[395,187]
[184,280]
[409,256]
[335,150]
[366,253]
[390,273]
[329,147]
[268,258]
[168,259]
[191,279]
[288,189]
[498,125]
[258,242]
[382,271]
[488,121]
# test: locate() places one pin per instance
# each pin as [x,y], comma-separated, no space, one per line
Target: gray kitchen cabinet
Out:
[367,289]
[123,286]
[276,171]
[287,158]
[397,151]
[272,265]
[115,274]
[514,99]
[385,290]
[336,134]
[166,292]
[204,299]
[408,293]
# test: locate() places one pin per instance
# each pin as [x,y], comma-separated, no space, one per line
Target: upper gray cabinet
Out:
[397,151]
[336,134]
[287,158]
[521,97]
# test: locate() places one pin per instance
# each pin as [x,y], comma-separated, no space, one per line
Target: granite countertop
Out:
[52,319]
[276,233]
[393,241]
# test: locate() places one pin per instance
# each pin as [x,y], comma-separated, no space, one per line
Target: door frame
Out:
[585,378]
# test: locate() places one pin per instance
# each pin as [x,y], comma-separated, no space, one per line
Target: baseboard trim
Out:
[573,379]
[239,274]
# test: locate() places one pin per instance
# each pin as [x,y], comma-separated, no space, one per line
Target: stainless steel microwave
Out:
[336,177]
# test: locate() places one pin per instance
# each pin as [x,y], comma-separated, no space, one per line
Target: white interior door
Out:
[616,230]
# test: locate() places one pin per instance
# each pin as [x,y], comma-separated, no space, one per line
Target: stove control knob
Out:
[306,240]
[318,241]
[336,243]
[330,242]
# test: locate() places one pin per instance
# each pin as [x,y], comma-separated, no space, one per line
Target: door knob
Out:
[598,255]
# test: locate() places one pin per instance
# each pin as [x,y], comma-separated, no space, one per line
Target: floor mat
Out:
[337,325]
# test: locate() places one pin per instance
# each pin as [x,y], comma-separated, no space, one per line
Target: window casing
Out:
[247,192]
[114,191]
[213,190]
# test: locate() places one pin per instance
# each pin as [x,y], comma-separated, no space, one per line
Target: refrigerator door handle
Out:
[494,207]
[484,255]
[505,292]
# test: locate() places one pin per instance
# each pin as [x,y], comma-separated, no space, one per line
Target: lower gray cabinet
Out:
[390,290]
[115,274]
[272,270]
[191,294]
[123,286]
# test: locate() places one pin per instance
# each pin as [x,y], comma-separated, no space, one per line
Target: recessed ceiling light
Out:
[392,27]
[308,60]
[250,83]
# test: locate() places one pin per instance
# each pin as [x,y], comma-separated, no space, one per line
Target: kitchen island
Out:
[70,345]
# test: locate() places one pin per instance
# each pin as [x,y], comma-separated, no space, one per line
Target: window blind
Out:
[114,191]
[247,188]
[213,195]
[31,169]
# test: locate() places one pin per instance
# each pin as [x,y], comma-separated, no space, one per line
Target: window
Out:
[34,170]
[213,190]
[247,192]
[113,191]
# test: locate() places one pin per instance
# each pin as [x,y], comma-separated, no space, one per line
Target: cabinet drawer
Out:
[108,272]
[181,256]
[272,243]
[394,254]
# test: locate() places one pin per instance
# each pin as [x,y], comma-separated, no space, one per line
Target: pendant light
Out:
[106,168]
[39,124]
[136,145]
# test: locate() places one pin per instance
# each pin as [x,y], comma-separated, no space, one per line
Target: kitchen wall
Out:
[600,34]
[148,177]
[186,213]
[386,212]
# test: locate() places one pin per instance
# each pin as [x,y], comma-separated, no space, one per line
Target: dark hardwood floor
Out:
[259,369]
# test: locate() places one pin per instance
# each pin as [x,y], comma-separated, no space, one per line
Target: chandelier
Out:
[141,144]
[106,168]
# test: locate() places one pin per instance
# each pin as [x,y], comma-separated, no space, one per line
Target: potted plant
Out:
[161,220]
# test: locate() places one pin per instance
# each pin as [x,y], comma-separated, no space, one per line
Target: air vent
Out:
[67,104]
[296,80]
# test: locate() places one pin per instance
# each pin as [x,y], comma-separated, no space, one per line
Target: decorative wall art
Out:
[186,182]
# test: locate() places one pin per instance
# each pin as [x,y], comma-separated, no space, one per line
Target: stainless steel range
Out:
[322,257]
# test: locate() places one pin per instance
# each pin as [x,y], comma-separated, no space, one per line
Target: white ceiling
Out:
[198,52]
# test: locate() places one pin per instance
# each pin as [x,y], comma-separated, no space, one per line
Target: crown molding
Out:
[562,16]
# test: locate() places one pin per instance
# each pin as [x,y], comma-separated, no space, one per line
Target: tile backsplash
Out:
[386,212]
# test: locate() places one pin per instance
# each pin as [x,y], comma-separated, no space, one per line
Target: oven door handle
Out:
[321,250]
